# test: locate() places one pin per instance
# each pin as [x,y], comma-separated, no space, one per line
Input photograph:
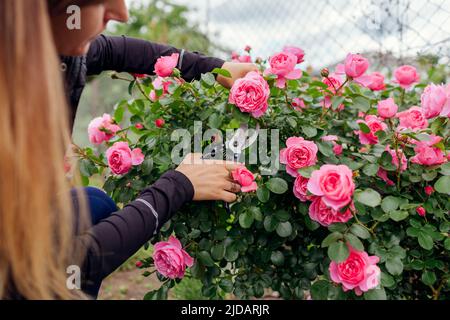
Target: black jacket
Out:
[113,240]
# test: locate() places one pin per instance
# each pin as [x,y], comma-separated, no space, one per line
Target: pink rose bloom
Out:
[359,272]
[160,84]
[251,94]
[300,153]
[121,158]
[298,52]
[301,189]
[446,109]
[326,216]
[406,76]
[375,124]
[298,104]
[334,183]
[354,67]
[382,174]
[387,108]
[428,155]
[102,129]
[333,81]
[164,66]
[413,119]
[434,98]
[245,178]
[395,162]
[376,82]
[283,66]
[327,103]
[337,148]
[170,258]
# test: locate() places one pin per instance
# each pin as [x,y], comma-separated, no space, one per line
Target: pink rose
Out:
[170,258]
[160,123]
[376,82]
[375,124]
[160,84]
[283,66]
[427,154]
[406,76]
[383,175]
[337,148]
[326,216]
[446,109]
[102,129]
[245,178]
[395,162]
[164,66]
[301,189]
[355,65]
[334,82]
[413,119]
[434,98]
[251,94]
[300,153]
[334,183]
[387,108]
[121,158]
[298,52]
[298,104]
[359,272]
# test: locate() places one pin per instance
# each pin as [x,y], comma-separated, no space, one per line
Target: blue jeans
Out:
[100,205]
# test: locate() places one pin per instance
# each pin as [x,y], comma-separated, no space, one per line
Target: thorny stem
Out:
[78,150]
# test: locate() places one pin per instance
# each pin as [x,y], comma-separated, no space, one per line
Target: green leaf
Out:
[368,197]
[231,253]
[263,194]
[223,72]
[87,168]
[364,127]
[445,169]
[325,148]
[306,172]
[447,244]
[375,294]
[394,266]
[443,185]
[118,113]
[398,215]
[257,214]
[387,280]
[360,231]
[226,285]
[390,203]
[429,278]
[338,251]
[361,103]
[284,229]
[277,258]
[309,131]
[205,258]
[354,242]
[425,241]
[270,223]
[218,251]
[277,185]
[371,169]
[208,79]
[331,238]
[246,219]
[319,290]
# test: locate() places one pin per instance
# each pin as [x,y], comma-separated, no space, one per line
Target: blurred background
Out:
[388,32]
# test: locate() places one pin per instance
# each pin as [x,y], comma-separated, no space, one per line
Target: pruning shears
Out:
[233,149]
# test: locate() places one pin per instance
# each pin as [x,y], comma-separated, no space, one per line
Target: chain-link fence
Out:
[385,30]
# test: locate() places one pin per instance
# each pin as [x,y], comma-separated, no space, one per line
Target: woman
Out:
[37,242]
[84,53]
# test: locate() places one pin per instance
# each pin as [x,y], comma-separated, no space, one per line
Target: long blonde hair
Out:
[36,215]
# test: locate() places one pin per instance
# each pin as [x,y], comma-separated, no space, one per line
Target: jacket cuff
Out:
[183,184]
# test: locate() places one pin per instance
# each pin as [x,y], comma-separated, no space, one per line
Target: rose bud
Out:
[325,72]
[429,190]
[421,211]
[160,123]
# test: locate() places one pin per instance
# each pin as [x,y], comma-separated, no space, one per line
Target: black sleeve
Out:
[115,239]
[124,54]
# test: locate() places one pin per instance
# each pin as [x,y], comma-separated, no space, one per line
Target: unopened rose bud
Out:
[160,123]
[248,48]
[429,190]
[421,211]
[325,72]
[139,126]
[139,264]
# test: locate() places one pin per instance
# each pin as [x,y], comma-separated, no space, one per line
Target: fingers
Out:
[228,197]
[232,187]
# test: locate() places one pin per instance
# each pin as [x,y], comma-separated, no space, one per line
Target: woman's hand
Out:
[211,178]
[237,71]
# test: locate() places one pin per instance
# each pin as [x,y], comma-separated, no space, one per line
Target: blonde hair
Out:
[36,214]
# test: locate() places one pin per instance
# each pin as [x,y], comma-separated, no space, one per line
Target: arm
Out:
[123,54]
[112,241]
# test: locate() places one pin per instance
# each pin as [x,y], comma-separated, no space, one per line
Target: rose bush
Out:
[358,210]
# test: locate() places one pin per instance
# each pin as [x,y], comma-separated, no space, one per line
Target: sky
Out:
[326,29]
